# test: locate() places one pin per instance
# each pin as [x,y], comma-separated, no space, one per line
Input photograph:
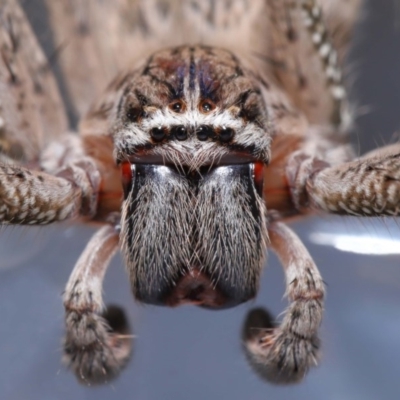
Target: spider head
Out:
[192,135]
[191,106]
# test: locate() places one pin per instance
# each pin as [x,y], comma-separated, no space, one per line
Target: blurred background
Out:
[192,353]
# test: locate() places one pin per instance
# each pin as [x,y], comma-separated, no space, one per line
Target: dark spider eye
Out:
[207,106]
[134,113]
[158,134]
[226,134]
[179,132]
[204,132]
[177,106]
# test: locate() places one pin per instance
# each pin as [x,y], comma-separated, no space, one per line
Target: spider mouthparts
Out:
[194,236]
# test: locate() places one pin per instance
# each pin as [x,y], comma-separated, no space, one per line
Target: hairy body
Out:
[239,123]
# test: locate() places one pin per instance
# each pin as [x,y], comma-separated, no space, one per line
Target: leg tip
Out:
[97,347]
[276,355]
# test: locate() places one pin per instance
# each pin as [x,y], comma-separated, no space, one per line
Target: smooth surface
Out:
[189,353]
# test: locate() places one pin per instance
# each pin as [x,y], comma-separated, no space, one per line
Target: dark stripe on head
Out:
[180,81]
[192,70]
[209,87]
[142,99]
[127,89]
[241,100]
[173,93]
[251,111]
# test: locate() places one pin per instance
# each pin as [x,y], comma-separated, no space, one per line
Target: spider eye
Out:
[204,132]
[226,134]
[206,106]
[158,134]
[126,173]
[177,106]
[134,113]
[179,132]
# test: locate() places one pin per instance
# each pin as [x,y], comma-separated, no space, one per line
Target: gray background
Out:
[191,353]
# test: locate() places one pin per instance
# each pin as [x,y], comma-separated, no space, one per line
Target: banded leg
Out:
[34,197]
[97,342]
[284,353]
[368,186]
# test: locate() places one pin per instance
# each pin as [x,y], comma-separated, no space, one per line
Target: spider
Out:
[224,120]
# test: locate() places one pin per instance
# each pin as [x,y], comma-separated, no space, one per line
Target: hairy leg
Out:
[36,197]
[284,353]
[368,186]
[97,343]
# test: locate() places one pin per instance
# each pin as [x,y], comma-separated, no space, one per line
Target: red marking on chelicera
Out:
[258,174]
[126,173]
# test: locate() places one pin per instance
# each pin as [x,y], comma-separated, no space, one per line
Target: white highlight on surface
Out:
[360,244]
[370,236]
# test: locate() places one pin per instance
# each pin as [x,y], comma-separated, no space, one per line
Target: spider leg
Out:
[284,353]
[35,197]
[368,186]
[97,343]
